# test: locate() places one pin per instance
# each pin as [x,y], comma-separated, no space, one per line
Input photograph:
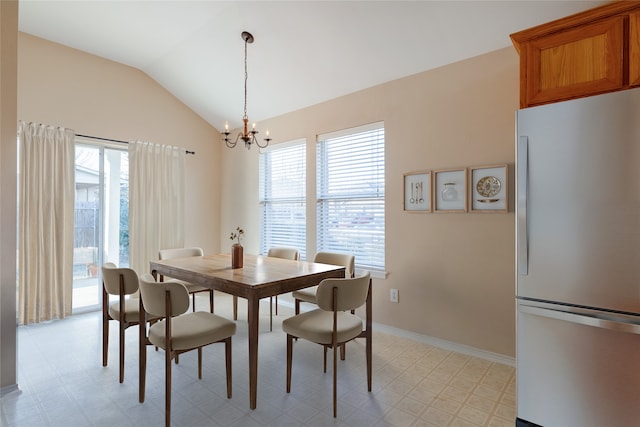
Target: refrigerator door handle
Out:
[521,206]
[583,319]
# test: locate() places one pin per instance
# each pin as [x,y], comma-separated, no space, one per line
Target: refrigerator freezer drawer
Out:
[576,369]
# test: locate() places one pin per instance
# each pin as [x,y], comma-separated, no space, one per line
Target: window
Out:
[350,179]
[283,204]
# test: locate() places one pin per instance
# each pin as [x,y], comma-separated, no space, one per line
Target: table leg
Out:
[254,316]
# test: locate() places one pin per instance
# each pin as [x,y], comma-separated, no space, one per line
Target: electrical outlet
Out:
[393,295]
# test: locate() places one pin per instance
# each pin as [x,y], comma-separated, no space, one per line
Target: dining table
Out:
[259,277]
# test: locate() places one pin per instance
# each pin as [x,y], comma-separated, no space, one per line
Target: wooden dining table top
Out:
[261,276]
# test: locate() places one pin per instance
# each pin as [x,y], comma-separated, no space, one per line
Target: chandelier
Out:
[248,136]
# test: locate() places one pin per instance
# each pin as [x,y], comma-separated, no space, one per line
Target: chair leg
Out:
[343,351]
[276,297]
[227,356]
[369,360]
[199,363]
[167,388]
[289,360]
[235,307]
[142,378]
[211,300]
[325,359]
[193,296]
[335,381]
[142,352]
[122,329]
[105,340]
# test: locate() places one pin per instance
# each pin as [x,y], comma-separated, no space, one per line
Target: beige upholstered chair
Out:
[179,332]
[191,287]
[331,324]
[332,258]
[286,253]
[122,282]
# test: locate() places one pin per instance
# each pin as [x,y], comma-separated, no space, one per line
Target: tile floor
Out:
[62,382]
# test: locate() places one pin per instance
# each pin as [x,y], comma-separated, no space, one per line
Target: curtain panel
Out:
[46,208]
[156,201]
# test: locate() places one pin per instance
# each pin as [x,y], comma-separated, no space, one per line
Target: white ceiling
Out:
[305,52]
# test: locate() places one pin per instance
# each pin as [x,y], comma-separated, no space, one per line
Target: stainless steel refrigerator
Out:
[578,262]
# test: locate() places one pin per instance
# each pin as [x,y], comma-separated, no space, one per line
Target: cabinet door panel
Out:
[634,49]
[577,62]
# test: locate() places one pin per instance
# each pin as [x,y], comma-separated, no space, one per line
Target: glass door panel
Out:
[101,219]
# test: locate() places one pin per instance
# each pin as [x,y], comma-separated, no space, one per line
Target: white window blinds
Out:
[283,197]
[350,194]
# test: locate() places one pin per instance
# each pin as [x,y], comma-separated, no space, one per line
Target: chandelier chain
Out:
[246,76]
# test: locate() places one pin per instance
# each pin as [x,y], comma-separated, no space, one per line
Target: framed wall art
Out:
[417,191]
[450,190]
[488,188]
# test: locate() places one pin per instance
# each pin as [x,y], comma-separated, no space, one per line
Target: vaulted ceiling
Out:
[305,52]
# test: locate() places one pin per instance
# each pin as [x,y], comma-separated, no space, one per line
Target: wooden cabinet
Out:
[588,53]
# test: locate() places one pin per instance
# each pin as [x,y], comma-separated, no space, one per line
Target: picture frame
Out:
[489,189]
[417,191]
[450,190]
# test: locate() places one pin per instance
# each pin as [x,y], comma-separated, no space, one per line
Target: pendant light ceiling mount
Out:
[247,37]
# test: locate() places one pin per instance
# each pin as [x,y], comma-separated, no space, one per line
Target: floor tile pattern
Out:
[63,384]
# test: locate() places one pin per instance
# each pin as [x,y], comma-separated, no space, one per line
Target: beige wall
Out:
[455,272]
[65,87]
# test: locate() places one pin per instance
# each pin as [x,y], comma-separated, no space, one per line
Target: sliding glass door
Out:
[101,231]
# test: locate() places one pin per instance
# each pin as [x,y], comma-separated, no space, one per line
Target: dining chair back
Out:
[352,293]
[332,258]
[123,283]
[192,288]
[332,324]
[285,253]
[179,331]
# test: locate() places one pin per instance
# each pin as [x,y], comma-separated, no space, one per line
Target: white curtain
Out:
[156,201]
[46,221]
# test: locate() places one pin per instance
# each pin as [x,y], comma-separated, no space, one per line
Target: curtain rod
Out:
[117,140]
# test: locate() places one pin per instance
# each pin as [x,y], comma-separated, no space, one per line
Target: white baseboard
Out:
[4,391]
[447,345]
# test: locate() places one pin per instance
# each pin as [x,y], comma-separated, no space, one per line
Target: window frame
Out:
[267,233]
[355,233]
